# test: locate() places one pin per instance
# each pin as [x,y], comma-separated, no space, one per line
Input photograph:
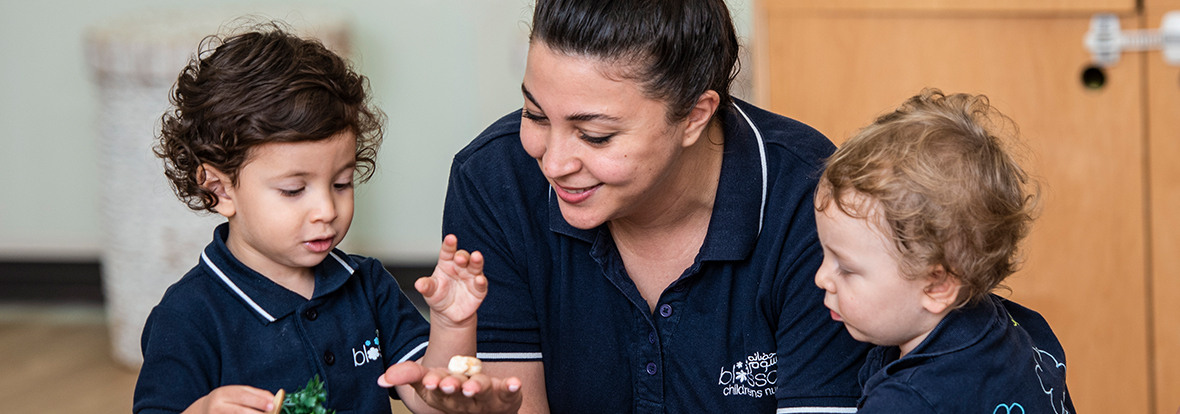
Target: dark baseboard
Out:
[80,282]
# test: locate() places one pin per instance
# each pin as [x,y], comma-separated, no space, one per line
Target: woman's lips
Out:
[575,195]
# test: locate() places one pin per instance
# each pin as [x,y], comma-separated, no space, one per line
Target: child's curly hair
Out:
[257,87]
[949,193]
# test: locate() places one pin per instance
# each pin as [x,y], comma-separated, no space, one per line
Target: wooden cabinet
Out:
[1163,150]
[1102,259]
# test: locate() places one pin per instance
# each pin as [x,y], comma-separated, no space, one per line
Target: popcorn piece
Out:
[464,365]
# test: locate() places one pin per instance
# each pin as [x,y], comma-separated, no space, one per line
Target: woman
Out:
[650,241]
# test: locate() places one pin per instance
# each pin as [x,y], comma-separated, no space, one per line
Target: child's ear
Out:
[941,292]
[218,183]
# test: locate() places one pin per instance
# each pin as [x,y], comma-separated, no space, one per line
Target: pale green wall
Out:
[441,69]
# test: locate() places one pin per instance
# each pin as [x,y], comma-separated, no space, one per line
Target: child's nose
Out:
[324,209]
[823,280]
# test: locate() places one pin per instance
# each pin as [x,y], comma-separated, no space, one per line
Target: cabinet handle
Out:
[1106,41]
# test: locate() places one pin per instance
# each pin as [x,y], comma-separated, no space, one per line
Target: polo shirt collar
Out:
[741,194]
[265,298]
[960,329]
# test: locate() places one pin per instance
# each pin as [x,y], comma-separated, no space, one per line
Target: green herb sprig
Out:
[308,400]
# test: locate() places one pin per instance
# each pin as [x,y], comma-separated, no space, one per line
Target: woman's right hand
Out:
[233,399]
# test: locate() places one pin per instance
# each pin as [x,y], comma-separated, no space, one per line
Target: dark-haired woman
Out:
[650,241]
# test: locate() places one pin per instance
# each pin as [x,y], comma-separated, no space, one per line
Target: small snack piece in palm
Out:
[464,365]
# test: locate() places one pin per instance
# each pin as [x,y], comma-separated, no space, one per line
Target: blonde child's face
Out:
[292,204]
[863,283]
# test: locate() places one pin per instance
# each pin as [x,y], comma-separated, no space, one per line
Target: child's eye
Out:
[291,192]
[342,186]
[537,118]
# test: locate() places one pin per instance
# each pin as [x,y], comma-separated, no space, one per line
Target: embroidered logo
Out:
[753,377]
[1050,372]
[1014,408]
[370,352]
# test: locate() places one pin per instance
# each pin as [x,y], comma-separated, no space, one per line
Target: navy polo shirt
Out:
[225,324]
[742,330]
[994,357]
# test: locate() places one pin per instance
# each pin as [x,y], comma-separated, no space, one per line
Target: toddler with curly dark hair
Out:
[273,132]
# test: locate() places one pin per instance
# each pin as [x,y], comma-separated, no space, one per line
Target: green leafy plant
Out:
[308,400]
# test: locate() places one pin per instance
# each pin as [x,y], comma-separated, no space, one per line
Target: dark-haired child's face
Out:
[863,283]
[292,204]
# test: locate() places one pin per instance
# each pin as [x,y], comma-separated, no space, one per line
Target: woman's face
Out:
[606,149]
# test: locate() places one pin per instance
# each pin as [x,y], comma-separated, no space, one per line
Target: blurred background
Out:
[89,234]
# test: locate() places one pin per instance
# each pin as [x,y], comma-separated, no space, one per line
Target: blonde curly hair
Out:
[950,194]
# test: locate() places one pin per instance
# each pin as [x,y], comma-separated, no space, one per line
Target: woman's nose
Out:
[560,157]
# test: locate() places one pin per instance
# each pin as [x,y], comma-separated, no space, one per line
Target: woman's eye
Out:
[597,139]
[540,119]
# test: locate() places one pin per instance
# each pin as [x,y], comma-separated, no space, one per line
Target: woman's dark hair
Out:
[675,49]
[258,87]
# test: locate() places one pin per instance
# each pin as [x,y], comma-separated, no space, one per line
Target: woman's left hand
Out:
[452,393]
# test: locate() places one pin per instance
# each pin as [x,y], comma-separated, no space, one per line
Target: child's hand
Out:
[233,399]
[457,286]
[453,393]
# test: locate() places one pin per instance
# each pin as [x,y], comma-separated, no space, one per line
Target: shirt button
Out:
[329,358]
[311,314]
[651,337]
[665,310]
[651,368]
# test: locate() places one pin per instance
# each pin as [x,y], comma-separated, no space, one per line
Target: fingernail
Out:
[513,387]
[448,389]
[468,393]
[382,383]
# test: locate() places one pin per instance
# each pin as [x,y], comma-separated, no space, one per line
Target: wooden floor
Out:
[57,360]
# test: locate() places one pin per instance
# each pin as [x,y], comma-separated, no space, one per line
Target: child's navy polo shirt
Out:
[225,324]
[742,330]
[994,357]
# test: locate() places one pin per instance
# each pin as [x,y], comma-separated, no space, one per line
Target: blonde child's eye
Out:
[291,193]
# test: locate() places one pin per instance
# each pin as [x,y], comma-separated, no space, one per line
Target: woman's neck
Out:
[666,236]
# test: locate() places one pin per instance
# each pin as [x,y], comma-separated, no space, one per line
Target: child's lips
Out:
[319,245]
[835,316]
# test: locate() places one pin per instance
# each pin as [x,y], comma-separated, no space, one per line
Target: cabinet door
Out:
[1163,92]
[1086,257]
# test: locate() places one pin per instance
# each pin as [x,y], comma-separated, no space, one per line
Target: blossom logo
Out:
[753,377]
[368,353]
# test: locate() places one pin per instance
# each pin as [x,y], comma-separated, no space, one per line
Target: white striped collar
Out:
[246,298]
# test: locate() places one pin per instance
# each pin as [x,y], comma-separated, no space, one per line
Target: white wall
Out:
[441,69]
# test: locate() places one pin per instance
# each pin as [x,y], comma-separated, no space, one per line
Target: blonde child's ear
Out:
[218,183]
[941,293]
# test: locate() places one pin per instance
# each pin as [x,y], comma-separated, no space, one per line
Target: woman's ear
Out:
[699,116]
[942,291]
[219,184]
